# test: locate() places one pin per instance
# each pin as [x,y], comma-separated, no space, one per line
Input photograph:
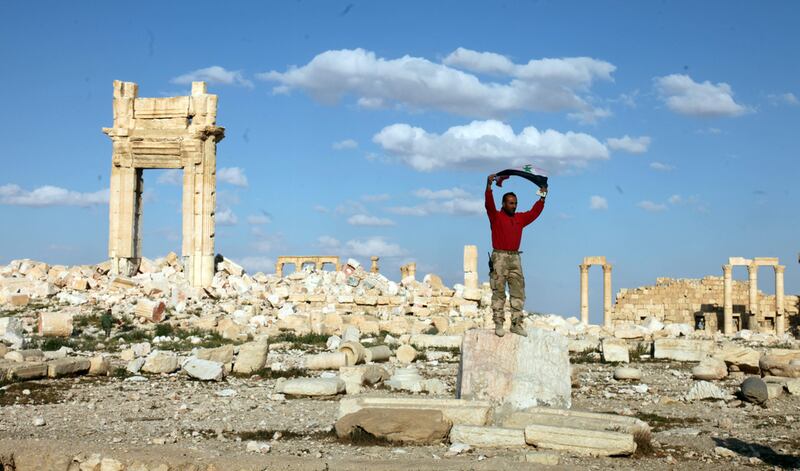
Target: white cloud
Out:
[49,195]
[375,198]
[461,206]
[633,145]
[345,144]
[661,167]
[598,203]
[233,175]
[350,207]
[226,217]
[415,82]
[171,177]
[590,115]
[258,219]
[367,220]
[675,199]
[321,209]
[377,246]
[214,74]
[783,99]
[427,194]
[256,263]
[489,144]
[329,243]
[651,206]
[685,96]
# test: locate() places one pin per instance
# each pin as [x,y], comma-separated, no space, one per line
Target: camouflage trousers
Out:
[507,268]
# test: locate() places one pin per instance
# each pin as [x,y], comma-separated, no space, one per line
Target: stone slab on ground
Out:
[457,411]
[436,341]
[683,349]
[26,370]
[581,441]
[204,370]
[487,437]
[312,387]
[406,426]
[519,372]
[67,366]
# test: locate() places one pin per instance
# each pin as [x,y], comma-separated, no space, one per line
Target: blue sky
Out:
[668,130]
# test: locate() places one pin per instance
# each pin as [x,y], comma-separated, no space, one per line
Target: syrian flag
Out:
[528,172]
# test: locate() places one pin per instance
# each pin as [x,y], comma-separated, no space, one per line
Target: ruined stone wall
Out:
[689,300]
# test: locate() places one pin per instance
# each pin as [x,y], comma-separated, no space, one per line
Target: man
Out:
[507,227]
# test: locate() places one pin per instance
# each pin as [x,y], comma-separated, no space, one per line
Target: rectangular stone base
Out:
[456,411]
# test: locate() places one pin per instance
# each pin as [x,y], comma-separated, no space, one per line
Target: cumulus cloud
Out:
[232,175]
[685,96]
[783,99]
[590,115]
[214,74]
[453,207]
[598,203]
[49,195]
[350,207]
[171,177]
[345,144]
[327,242]
[367,220]
[489,143]
[661,167]
[550,84]
[675,199]
[450,193]
[377,246]
[226,217]
[651,206]
[633,145]
[256,263]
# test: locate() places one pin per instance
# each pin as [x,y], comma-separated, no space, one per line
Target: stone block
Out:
[519,372]
[252,357]
[312,387]
[615,351]
[402,426]
[783,364]
[710,369]
[683,349]
[436,341]
[223,354]
[158,362]
[55,324]
[26,370]
[743,358]
[99,365]
[580,441]
[456,411]
[204,370]
[487,437]
[25,355]
[406,354]
[67,367]
[325,361]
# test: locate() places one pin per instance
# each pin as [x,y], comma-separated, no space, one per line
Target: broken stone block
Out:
[793,387]
[354,351]
[160,362]
[456,411]
[11,331]
[781,364]
[252,357]
[630,331]
[519,372]
[683,349]
[488,437]
[122,283]
[405,354]
[407,379]
[135,365]
[436,341]
[587,442]
[744,359]
[326,361]
[542,458]
[774,390]
[152,311]
[403,426]
[355,377]
[377,354]
[25,355]
[26,370]
[223,354]
[705,390]
[627,374]
[18,300]
[204,370]
[55,324]
[230,267]
[615,351]
[99,365]
[311,387]
[710,369]
[67,366]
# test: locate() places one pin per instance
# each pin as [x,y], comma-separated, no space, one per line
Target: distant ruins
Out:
[319,263]
[164,133]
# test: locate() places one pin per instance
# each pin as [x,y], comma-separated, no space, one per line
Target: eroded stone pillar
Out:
[606,295]
[374,268]
[584,294]
[752,317]
[727,281]
[780,314]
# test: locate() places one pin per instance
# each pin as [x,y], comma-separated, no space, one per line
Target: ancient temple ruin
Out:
[164,133]
[607,307]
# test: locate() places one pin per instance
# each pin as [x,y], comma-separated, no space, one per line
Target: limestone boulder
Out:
[786,364]
[204,370]
[252,357]
[158,362]
[740,358]
[683,349]
[615,351]
[754,390]
[67,367]
[402,426]
[519,372]
[710,369]
[704,390]
[627,374]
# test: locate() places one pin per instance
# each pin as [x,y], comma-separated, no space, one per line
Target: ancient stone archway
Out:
[164,133]
[754,316]
[584,268]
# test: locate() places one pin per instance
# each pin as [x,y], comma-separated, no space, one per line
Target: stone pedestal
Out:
[516,372]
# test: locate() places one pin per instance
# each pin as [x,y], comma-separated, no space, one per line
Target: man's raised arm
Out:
[490,207]
[530,216]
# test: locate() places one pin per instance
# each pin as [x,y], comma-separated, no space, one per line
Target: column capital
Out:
[584,267]
[727,268]
[780,268]
[752,268]
[607,267]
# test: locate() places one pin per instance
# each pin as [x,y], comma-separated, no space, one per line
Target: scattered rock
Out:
[754,390]
[405,426]
[625,373]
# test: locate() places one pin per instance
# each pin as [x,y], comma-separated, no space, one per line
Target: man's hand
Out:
[490,179]
[542,193]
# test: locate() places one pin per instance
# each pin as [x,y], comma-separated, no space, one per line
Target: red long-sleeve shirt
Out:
[507,230]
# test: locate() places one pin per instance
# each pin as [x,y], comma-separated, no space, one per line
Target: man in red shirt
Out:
[507,227]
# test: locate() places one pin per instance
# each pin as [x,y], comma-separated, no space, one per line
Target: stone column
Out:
[607,296]
[584,294]
[727,299]
[752,317]
[780,315]
[279,269]
[374,268]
